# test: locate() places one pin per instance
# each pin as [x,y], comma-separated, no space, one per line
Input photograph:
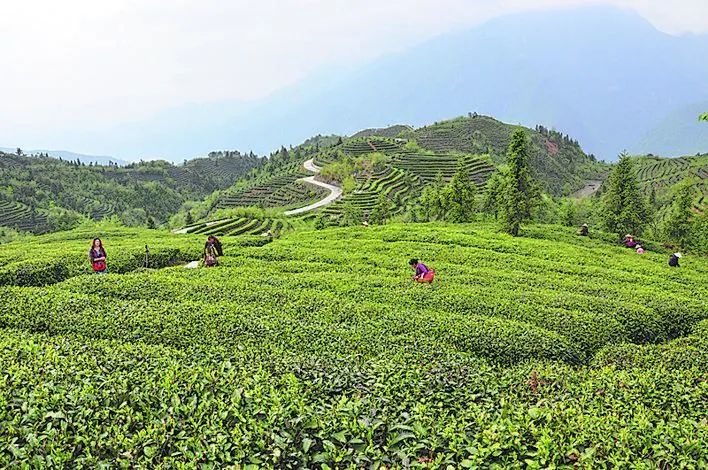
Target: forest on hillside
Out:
[40,194]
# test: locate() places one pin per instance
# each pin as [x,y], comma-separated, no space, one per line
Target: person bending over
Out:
[423,275]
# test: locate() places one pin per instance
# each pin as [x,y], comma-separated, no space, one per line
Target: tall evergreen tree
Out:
[381,211]
[493,192]
[678,225]
[351,215]
[624,209]
[520,191]
[431,201]
[459,196]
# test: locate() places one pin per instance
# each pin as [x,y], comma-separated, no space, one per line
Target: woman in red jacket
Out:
[97,256]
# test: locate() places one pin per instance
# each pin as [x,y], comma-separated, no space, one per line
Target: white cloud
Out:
[83,63]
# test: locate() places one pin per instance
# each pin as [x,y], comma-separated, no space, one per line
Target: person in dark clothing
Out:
[629,241]
[217,245]
[210,255]
[583,232]
[674,260]
[97,256]
[423,275]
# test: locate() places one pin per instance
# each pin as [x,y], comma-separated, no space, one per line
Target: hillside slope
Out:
[38,194]
[558,161]
[316,349]
[663,174]
[403,161]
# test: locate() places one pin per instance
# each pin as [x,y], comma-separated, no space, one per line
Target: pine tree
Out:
[431,203]
[568,213]
[459,196]
[520,191]
[678,225]
[493,192]
[624,209]
[381,211]
[351,215]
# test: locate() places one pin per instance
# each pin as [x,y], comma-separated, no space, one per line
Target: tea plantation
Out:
[316,351]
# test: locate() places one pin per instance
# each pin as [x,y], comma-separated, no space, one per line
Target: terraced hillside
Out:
[559,162]
[316,351]
[362,146]
[428,165]
[280,190]
[20,217]
[135,193]
[239,226]
[390,132]
[663,173]
[395,184]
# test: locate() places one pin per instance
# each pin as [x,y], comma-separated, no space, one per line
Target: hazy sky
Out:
[86,64]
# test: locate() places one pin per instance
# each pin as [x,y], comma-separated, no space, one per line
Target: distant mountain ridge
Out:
[70,156]
[603,75]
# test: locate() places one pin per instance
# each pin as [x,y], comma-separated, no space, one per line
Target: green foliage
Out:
[41,194]
[568,213]
[556,159]
[703,117]
[309,352]
[351,215]
[459,196]
[381,211]
[520,192]
[678,226]
[624,207]
[431,202]
[348,184]
[494,190]
[660,178]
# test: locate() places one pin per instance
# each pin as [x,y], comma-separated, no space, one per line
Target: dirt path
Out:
[335,191]
[590,188]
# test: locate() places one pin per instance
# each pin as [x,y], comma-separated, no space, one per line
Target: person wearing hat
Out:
[640,250]
[629,241]
[583,232]
[674,260]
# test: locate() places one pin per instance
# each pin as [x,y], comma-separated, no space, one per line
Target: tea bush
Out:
[316,351]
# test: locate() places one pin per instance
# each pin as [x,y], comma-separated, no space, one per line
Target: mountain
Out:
[39,194]
[70,156]
[393,164]
[678,133]
[603,75]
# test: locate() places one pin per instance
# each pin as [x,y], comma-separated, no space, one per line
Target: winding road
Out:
[335,191]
